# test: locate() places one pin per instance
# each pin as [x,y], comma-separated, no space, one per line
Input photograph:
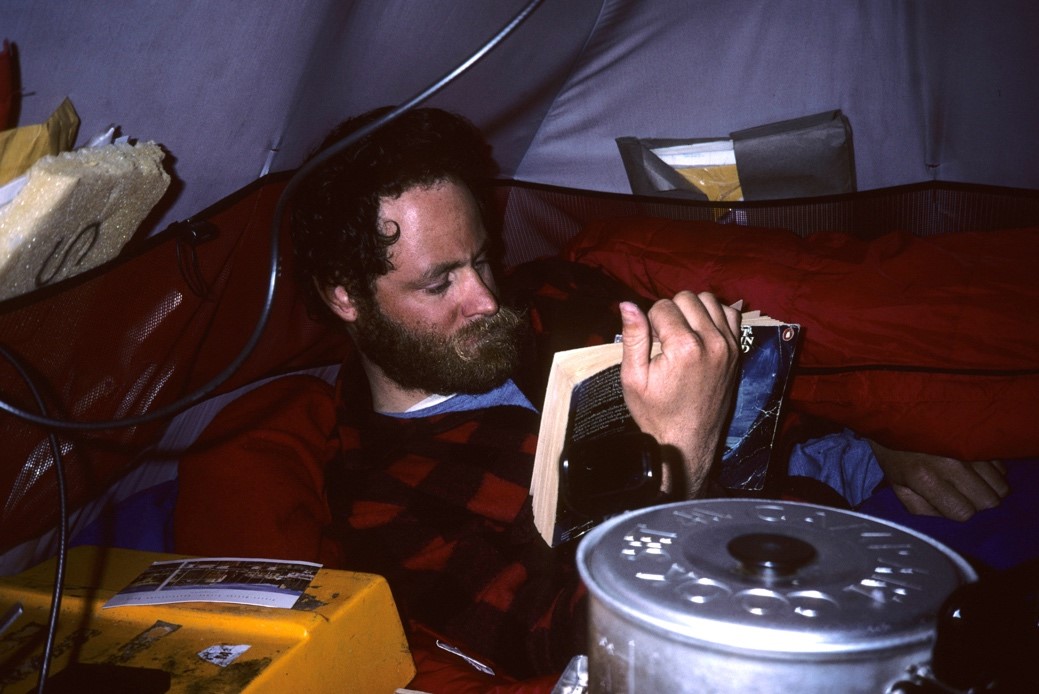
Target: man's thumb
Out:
[636,335]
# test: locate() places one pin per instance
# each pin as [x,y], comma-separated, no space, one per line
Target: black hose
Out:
[63,522]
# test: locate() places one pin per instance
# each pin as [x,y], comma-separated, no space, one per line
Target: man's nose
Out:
[480,299]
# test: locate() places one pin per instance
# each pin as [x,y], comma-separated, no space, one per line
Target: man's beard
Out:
[478,357]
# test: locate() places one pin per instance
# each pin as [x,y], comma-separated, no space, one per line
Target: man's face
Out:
[435,324]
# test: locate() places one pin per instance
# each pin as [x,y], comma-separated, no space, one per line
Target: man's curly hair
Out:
[335,232]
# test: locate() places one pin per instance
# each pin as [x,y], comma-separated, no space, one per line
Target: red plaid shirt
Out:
[440,506]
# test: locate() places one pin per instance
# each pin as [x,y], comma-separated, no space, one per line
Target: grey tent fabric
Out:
[933,89]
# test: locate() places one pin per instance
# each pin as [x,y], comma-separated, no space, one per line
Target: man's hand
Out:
[933,485]
[682,395]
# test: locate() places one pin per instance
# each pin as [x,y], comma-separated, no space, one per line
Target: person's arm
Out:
[682,396]
[938,486]
[252,484]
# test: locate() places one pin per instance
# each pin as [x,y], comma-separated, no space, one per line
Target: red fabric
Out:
[253,484]
[440,506]
[956,313]
[7,86]
[134,336]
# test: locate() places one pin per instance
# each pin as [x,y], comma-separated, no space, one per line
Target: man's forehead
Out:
[438,226]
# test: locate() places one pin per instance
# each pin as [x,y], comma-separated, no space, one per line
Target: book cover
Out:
[768,358]
[584,405]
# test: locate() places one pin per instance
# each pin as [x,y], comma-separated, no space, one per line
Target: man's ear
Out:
[340,302]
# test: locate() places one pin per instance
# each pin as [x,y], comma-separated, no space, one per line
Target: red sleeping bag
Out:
[927,344]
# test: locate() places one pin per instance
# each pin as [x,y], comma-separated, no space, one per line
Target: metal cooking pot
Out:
[745,595]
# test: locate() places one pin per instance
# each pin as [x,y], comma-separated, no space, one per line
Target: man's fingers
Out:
[913,502]
[704,311]
[700,316]
[734,318]
[724,316]
[979,485]
[956,506]
[949,503]
[994,474]
[678,317]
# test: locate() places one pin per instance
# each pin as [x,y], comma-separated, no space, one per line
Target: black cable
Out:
[290,188]
[63,522]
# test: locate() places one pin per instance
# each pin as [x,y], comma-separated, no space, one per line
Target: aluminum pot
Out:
[745,595]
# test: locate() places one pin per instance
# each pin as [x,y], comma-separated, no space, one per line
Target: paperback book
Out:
[584,404]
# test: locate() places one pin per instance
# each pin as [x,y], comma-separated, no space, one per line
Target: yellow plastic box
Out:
[343,635]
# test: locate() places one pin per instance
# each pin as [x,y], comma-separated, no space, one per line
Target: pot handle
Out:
[771,555]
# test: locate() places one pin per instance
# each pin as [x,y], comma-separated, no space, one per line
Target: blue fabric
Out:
[142,521]
[999,538]
[507,393]
[844,461]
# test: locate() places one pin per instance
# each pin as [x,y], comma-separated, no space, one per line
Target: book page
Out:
[569,368]
[597,406]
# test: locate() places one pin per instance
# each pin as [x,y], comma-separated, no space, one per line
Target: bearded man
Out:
[429,486]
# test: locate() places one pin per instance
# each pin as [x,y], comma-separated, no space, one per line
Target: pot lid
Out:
[771,576]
